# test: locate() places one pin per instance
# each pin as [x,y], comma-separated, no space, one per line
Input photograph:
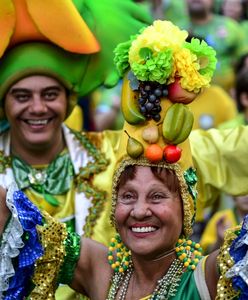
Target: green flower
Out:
[156,68]
[206,56]
[121,55]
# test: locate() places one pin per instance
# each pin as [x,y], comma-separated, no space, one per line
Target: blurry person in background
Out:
[106,108]
[213,235]
[222,33]
[241,95]
[238,11]
[235,9]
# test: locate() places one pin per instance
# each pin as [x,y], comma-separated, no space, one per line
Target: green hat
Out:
[72,41]
[41,59]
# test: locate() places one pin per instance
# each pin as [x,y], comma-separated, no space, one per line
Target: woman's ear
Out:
[244,99]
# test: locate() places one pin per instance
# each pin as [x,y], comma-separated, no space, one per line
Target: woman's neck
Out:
[152,269]
[153,276]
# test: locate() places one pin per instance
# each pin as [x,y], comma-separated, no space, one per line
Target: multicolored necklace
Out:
[188,255]
[166,286]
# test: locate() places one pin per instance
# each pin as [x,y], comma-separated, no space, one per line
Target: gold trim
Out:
[225,289]
[53,235]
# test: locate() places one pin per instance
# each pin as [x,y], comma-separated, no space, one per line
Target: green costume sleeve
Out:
[220,157]
[72,252]
[58,263]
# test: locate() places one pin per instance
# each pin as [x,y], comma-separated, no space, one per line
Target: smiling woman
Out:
[145,212]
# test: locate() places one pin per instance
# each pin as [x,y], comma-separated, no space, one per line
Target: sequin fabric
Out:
[225,288]
[11,243]
[29,216]
[53,235]
[72,248]
[40,249]
[239,253]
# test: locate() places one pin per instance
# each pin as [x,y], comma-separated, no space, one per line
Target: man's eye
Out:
[50,95]
[22,97]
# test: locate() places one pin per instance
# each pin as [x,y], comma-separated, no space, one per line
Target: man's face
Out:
[199,8]
[35,108]
[232,9]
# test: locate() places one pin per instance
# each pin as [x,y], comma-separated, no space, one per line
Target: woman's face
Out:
[148,215]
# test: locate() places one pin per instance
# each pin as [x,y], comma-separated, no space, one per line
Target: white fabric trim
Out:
[11,242]
[79,158]
[8,177]
[200,281]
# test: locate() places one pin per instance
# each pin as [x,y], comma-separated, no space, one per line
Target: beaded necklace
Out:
[188,255]
[166,286]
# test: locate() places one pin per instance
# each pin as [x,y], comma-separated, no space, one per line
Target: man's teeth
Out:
[143,229]
[37,122]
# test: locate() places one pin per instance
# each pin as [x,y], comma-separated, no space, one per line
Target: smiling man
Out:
[44,68]
[36,107]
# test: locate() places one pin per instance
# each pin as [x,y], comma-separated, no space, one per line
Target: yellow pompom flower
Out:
[157,37]
[186,67]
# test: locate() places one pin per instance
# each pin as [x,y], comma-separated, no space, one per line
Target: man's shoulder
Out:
[110,137]
[100,139]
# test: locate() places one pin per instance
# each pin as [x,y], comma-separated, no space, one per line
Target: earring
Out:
[123,255]
[189,253]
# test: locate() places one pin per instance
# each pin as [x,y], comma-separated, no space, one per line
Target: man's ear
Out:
[244,99]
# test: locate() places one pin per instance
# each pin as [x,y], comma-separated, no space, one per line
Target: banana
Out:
[177,123]
[129,105]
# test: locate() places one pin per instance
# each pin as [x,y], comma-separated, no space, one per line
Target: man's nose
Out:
[38,105]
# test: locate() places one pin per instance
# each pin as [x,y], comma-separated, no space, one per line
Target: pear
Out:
[134,147]
[150,134]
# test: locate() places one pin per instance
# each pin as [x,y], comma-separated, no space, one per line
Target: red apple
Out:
[177,94]
[172,153]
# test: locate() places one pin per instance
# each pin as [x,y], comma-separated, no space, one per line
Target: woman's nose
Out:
[141,210]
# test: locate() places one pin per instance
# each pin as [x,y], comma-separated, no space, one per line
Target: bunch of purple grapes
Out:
[150,95]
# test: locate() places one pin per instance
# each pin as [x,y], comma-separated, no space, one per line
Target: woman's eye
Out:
[126,197]
[158,197]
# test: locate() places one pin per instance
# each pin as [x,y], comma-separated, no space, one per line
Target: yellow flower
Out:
[157,37]
[186,66]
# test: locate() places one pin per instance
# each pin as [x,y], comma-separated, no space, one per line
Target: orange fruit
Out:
[154,153]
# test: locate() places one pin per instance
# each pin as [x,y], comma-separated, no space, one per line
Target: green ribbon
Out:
[55,179]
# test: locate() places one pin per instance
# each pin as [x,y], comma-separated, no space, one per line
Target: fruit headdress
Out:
[162,74]
[70,40]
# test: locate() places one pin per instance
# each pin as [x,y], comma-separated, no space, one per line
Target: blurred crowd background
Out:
[223,24]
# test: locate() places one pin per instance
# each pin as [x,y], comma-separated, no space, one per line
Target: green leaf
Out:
[145,53]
